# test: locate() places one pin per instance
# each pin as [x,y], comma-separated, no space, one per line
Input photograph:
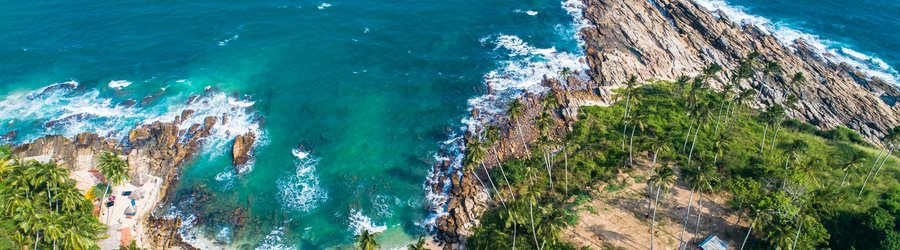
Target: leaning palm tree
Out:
[419,245]
[852,165]
[892,140]
[663,179]
[114,169]
[515,111]
[628,91]
[366,240]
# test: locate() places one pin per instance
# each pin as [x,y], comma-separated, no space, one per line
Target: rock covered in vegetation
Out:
[664,39]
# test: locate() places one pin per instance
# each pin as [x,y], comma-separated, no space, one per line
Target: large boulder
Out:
[240,151]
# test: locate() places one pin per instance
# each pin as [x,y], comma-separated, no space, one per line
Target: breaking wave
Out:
[360,222]
[301,190]
[831,51]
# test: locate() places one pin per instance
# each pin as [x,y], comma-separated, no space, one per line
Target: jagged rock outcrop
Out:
[158,149]
[240,150]
[663,39]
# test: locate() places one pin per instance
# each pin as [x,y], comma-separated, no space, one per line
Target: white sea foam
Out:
[522,71]
[323,6]
[531,13]
[360,222]
[301,190]
[226,41]
[119,84]
[274,240]
[299,153]
[829,50]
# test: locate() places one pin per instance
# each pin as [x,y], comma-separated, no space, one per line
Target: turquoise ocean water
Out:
[370,89]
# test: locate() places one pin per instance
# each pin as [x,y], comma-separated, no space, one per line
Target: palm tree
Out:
[629,89]
[706,176]
[114,169]
[790,103]
[532,194]
[366,240]
[663,179]
[492,135]
[565,73]
[892,139]
[515,111]
[419,245]
[852,165]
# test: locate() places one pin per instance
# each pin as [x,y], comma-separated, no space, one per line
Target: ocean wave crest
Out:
[831,51]
[301,190]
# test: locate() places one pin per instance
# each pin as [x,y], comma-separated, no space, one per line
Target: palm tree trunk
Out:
[794,245]
[691,154]
[687,214]
[650,187]
[486,190]
[492,182]
[687,136]
[508,185]
[515,232]
[625,119]
[631,145]
[870,171]
[522,137]
[775,136]
[843,179]
[718,117]
[699,212]
[37,239]
[533,232]
[547,164]
[886,157]
[653,220]
[566,160]
[748,233]
[763,142]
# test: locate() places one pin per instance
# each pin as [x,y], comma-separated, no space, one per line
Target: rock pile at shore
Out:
[158,149]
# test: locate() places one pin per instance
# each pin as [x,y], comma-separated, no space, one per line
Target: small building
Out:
[713,243]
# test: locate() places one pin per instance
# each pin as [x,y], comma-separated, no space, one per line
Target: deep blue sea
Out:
[351,98]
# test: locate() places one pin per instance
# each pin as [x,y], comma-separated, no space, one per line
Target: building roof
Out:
[713,243]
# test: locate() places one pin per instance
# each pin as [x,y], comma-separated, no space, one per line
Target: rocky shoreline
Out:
[158,149]
[662,39]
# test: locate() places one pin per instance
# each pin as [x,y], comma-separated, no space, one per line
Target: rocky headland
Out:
[157,149]
[665,39]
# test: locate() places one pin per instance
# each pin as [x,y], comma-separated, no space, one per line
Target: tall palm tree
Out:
[706,176]
[419,245]
[114,169]
[892,140]
[366,240]
[475,156]
[532,193]
[515,111]
[492,135]
[629,89]
[663,179]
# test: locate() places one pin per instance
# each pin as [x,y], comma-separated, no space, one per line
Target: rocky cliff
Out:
[158,149]
[665,39]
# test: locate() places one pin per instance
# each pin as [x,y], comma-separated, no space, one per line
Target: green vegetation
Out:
[798,187]
[366,240]
[40,208]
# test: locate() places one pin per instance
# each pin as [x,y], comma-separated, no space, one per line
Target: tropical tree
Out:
[663,179]
[418,245]
[515,111]
[852,165]
[366,240]
[114,169]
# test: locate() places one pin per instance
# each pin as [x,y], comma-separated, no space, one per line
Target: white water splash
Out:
[119,84]
[360,222]
[301,190]
[829,50]
[274,241]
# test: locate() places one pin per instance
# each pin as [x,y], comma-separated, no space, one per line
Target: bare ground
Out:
[620,219]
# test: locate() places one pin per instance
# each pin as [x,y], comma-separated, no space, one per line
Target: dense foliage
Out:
[797,186]
[40,208]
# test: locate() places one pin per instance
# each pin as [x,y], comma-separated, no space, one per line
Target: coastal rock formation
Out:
[664,39]
[240,151]
[158,149]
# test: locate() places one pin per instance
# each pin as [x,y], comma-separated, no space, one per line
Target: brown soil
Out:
[620,219]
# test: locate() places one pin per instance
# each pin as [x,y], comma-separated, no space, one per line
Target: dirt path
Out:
[618,217]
